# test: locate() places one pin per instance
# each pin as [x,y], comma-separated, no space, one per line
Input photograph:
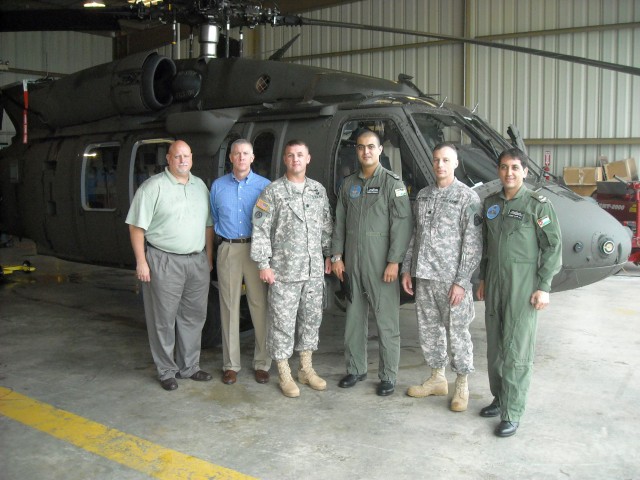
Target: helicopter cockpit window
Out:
[477,155]
[395,156]
[150,158]
[99,187]
[263,151]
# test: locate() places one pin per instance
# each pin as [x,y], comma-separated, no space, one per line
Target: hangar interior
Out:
[78,396]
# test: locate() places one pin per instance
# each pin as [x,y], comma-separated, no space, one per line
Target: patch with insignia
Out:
[477,220]
[257,215]
[355,191]
[373,190]
[493,211]
[401,192]
[544,221]
[515,214]
[262,205]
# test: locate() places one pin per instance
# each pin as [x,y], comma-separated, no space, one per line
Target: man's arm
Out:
[339,232]
[208,238]
[136,235]
[261,251]
[471,242]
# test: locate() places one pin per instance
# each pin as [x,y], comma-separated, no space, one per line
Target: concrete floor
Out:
[73,336]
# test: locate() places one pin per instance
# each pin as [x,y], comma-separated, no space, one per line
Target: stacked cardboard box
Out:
[583,180]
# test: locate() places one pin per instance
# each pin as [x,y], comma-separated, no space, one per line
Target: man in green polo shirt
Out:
[170,216]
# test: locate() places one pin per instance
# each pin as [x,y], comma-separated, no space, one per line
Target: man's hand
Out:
[338,268]
[539,299]
[267,275]
[456,295]
[142,272]
[406,283]
[327,265]
[480,291]
[390,273]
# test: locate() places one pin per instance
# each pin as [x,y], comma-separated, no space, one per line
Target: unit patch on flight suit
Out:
[544,221]
[515,214]
[401,192]
[355,191]
[493,211]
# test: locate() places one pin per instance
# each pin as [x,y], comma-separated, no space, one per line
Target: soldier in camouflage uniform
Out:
[445,249]
[292,228]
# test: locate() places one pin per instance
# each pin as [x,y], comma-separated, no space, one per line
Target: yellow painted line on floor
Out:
[129,450]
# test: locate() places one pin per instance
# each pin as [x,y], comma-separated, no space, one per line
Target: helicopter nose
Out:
[595,244]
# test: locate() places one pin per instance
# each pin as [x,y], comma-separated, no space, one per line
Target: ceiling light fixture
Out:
[147,3]
[94,4]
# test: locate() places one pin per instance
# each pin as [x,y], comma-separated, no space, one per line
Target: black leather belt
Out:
[236,240]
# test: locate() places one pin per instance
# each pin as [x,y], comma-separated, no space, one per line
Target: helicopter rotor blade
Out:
[290,20]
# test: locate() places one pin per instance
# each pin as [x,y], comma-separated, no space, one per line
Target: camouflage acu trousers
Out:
[437,319]
[294,312]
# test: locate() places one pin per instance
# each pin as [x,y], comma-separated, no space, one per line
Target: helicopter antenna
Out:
[406,79]
[442,104]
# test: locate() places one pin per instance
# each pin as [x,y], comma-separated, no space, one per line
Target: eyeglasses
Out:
[361,147]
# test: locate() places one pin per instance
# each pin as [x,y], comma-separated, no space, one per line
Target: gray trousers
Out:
[175,306]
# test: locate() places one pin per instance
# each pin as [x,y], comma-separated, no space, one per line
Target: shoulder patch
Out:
[401,192]
[537,196]
[262,205]
[393,174]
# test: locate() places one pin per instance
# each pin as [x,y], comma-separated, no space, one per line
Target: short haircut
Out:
[442,145]
[516,154]
[295,141]
[241,141]
[366,131]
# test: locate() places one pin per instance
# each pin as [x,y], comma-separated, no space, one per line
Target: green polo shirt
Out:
[174,216]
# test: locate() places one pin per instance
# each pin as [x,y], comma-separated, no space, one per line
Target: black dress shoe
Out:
[201,376]
[492,410]
[385,388]
[506,428]
[169,384]
[350,380]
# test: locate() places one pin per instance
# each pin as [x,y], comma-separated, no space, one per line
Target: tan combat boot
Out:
[461,397]
[436,385]
[307,375]
[287,385]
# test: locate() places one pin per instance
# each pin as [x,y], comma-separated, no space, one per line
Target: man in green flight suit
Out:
[522,252]
[373,229]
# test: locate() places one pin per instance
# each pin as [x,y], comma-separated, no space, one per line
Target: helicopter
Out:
[86,142]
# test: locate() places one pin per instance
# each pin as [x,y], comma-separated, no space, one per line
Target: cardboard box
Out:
[582,176]
[626,169]
[584,190]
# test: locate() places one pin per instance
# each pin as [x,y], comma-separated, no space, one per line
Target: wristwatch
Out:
[336,258]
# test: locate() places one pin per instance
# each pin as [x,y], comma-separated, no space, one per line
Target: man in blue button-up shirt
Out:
[232,199]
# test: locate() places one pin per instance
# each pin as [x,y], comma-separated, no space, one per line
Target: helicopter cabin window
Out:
[263,151]
[99,169]
[395,155]
[477,153]
[150,158]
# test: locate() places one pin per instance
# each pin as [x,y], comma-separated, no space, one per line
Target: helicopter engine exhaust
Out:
[134,85]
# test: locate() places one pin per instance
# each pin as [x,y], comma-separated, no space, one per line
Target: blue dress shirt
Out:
[232,204]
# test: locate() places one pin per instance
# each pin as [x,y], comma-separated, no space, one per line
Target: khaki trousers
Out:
[234,264]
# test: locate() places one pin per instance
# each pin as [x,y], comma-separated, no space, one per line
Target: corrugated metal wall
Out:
[574,112]
[48,53]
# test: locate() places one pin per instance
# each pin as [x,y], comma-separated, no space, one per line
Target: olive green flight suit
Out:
[373,227]
[522,252]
